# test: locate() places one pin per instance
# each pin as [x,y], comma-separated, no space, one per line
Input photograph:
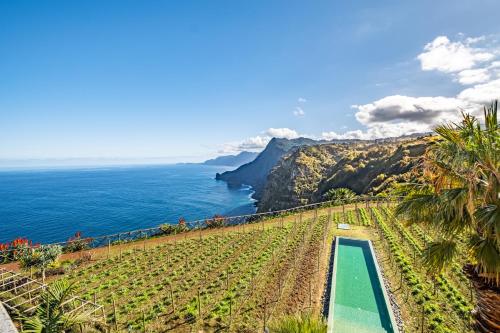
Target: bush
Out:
[304,323]
[13,250]
[173,229]
[215,222]
[41,257]
[77,243]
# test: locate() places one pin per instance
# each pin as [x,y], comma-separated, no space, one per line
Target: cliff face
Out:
[255,173]
[305,175]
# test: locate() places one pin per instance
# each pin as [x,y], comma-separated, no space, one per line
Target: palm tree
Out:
[339,195]
[304,323]
[53,314]
[460,200]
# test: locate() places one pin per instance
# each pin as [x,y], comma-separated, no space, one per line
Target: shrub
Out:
[216,221]
[77,243]
[41,257]
[304,323]
[172,229]
[11,251]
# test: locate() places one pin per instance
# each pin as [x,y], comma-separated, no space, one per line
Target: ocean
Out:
[50,205]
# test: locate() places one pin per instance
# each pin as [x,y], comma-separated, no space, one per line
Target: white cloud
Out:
[259,142]
[467,64]
[286,133]
[482,93]
[398,109]
[471,76]
[298,112]
[465,61]
[401,115]
[443,55]
[302,100]
[356,134]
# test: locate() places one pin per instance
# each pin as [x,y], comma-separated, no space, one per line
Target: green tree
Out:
[41,257]
[341,194]
[460,200]
[54,313]
[304,323]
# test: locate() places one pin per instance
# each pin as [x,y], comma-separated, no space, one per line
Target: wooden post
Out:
[144,245]
[115,316]
[199,305]
[172,297]
[471,290]
[319,253]
[143,321]
[310,293]
[109,247]
[343,209]
[227,279]
[265,314]
[423,320]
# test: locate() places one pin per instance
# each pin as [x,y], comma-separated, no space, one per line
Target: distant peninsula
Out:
[233,160]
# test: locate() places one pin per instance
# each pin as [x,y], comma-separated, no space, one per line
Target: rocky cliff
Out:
[308,172]
[255,173]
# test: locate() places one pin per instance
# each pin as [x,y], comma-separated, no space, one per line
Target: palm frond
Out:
[439,254]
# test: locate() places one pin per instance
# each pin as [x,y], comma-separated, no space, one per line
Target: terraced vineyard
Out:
[234,279]
[440,303]
[239,278]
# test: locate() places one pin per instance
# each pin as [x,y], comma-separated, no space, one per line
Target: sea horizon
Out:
[51,204]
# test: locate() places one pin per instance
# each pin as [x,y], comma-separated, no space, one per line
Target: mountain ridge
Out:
[292,172]
[255,173]
[233,160]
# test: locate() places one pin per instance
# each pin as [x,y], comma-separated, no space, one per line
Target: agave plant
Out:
[304,323]
[460,201]
[54,315]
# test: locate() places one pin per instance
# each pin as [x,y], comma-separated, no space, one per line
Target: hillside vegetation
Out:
[306,174]
[242,278]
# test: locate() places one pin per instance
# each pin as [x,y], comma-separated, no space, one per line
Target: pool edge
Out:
[330,328]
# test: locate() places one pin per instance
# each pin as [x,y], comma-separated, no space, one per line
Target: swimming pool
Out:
[358,299]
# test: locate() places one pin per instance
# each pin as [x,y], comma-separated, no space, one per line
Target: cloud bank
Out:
[473,63]
[259,142]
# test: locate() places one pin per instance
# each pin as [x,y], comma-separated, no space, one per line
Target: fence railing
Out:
[22,295]
[8,255]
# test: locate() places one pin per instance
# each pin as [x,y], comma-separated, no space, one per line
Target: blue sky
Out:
[187,80]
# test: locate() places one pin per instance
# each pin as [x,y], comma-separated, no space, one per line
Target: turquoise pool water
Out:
[357,298]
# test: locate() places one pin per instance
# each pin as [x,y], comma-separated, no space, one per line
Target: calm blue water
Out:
[51,205]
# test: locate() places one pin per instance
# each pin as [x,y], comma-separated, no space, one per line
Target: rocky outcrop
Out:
[307,173]
[255,173]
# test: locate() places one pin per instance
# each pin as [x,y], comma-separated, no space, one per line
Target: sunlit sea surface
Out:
[51,205]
